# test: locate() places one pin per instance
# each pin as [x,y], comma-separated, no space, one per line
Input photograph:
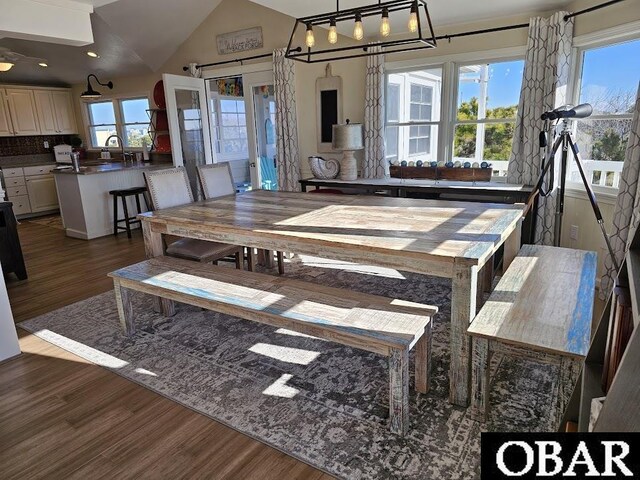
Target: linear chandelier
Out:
[419,30]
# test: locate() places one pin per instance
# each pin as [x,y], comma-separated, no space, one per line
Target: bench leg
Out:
[125,309]
[399,391]
[423,361]
[239,259]
[480,379]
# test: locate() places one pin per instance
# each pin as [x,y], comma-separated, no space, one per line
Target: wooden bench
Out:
[541,308]
[368,322]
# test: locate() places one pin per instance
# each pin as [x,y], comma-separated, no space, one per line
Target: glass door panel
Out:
[264,107]
[188,125]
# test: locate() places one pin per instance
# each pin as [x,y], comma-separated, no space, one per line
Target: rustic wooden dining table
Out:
[432,237]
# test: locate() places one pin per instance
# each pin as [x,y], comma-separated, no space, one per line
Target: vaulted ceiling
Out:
[136,37]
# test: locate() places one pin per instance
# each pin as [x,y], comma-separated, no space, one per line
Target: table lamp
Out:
[348,138]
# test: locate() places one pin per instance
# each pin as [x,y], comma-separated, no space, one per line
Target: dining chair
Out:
[216,180]
[170,188]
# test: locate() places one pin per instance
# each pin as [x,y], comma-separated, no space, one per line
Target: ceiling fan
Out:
[9,58]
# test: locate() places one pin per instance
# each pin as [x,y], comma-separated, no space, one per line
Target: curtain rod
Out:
[441,37]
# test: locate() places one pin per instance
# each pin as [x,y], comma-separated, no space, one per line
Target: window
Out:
[135,121]
[230,127]
[608,80]
[126,117]
[487,104]
[102,123]
[413,115]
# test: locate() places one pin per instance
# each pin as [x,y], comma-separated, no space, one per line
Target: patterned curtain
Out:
[375,164]
[287,157]
[544,87]
[626,215]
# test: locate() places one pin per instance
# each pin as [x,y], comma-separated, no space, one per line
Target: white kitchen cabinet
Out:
[46,112]
[6,129]
[21,205]
[55,112]
[22,110]
[63,109]
[42,193]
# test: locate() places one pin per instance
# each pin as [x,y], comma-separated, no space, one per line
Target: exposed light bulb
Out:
[385,28]
[310,40]
[5,66]
[43,64]
[413,19]
[358,32]
[333,32]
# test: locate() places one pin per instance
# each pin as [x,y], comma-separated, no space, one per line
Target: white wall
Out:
[9,346]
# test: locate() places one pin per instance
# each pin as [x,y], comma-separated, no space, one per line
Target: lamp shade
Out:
[348,136]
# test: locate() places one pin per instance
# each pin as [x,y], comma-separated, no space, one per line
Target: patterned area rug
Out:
[53,221]
[317,401]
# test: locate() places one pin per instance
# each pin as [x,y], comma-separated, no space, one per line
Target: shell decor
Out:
[324,169]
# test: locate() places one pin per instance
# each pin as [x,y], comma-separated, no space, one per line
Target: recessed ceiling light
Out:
[93,54]
[42,64]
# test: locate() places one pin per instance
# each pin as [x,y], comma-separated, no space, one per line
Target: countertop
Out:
[112,167]
[17,161]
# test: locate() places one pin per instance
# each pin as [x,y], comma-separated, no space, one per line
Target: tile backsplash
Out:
[10,146]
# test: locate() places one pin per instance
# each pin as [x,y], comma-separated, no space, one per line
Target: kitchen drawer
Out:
[12,172]
[14,182]
[38,170]
[21,205]
[14,192]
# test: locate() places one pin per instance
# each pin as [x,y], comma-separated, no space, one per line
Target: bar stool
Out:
[123,194]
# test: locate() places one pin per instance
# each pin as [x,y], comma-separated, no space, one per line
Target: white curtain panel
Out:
[287,156]
[626,215]
[375,164]
[544,87]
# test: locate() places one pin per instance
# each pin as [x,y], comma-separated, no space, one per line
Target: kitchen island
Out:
[85,204]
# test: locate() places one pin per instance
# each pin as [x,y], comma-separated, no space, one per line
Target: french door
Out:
[189,131]
[225,118]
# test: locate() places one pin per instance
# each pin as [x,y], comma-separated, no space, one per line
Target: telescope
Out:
[583,110]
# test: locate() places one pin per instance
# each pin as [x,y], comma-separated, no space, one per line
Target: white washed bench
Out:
[541,308]
[368,322]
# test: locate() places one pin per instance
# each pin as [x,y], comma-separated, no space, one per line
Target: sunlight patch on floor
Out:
[350,267]
[284,331]
[145,372]
[285,354]
[97,357]
[279,388]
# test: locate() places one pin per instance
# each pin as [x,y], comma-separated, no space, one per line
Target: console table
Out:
[496,192]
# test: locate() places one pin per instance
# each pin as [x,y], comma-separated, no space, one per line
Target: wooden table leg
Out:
[480,379]
[511,247]
[154,248]
[399,391]
[464,285]
[125,310]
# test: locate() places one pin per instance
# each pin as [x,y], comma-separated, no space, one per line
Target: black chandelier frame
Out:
[418,42]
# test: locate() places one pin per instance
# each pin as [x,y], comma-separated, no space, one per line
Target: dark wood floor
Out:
[63,417]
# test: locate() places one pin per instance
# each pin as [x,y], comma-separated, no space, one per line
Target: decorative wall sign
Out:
[240,41]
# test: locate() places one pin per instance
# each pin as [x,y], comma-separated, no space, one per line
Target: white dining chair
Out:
[170,188]
[216,180]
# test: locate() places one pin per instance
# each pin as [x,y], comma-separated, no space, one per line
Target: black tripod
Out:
[565,141]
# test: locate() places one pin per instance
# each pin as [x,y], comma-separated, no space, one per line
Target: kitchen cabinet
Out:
[22,111]
[6,129]
[63,110]
[42,193]
[46,113]
[32,189]
[55,112]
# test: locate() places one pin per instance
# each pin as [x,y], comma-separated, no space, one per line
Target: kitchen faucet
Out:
[121,143]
